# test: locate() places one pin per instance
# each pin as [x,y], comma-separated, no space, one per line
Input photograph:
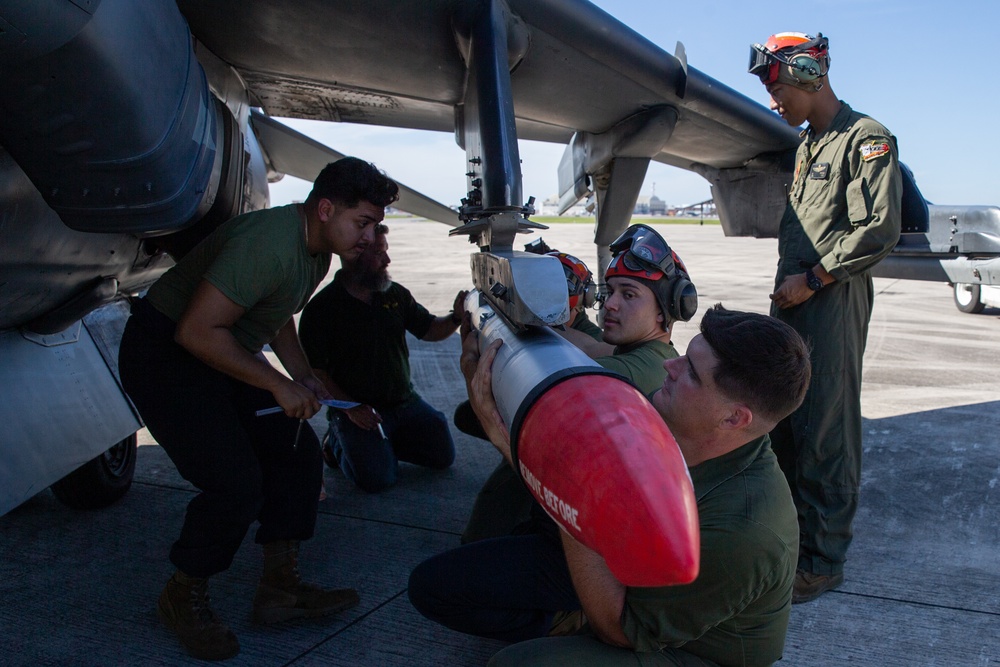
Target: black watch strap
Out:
[813,281]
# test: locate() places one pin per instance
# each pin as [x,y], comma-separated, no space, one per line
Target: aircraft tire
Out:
[967,298]
[100,481]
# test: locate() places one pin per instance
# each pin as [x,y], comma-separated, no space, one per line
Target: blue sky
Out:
[922,68]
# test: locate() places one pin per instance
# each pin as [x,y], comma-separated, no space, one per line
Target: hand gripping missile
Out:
[594,453]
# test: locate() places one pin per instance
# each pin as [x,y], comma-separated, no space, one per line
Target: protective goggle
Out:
[644,249]
[761,62]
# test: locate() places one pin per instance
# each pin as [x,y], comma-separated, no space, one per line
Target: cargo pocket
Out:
[859,205]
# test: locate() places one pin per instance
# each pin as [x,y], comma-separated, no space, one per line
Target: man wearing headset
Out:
[640,309]
[842,218]
[742,374]
[582,292]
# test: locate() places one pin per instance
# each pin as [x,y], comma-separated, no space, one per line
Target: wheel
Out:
[100,481]
[967,298]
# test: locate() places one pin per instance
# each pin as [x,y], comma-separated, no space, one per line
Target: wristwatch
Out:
[813,281]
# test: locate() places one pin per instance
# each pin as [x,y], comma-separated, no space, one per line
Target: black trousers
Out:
[247,468]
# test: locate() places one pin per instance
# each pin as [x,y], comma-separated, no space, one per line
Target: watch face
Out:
[813,281]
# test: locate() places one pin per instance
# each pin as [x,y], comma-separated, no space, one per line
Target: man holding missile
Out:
[640,309]
[639,314]
[740,376]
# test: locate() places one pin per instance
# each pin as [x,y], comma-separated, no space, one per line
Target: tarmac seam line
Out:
[917,603]
[390,523]
[360,618]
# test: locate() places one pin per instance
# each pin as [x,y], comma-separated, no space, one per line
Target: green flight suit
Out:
[843,214]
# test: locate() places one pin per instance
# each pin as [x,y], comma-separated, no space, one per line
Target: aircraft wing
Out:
[577,74]
[291,152]
[386,62]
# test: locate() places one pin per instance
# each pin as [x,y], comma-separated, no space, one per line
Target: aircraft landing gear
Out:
[100,481]
[967,298]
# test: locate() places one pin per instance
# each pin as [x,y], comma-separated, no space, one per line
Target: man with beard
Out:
[354,334]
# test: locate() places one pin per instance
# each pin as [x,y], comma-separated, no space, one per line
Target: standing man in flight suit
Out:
[843,216]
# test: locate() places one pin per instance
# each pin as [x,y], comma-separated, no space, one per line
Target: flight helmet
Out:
[579,280]
[641,253]
[794,58]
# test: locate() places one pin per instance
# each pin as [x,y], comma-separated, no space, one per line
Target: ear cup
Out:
[589,294]
[683,299]
[804,68]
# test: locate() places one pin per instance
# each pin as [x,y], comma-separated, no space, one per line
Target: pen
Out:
[340,405]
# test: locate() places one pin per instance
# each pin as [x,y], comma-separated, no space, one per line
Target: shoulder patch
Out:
[874,149]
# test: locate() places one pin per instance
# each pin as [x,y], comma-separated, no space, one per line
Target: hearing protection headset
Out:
[794,58]
[640,252]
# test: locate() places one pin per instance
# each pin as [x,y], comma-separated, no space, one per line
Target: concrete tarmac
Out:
[922,581]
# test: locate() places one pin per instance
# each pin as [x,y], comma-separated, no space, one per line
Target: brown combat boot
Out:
[184,609]
[282,595]
[809,586]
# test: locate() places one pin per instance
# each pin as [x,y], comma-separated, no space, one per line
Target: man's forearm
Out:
[601,595]
[591,347]
[440,328]
[288,349]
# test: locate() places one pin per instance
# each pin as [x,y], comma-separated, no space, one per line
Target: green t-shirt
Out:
[583,324]
[736,612]
[641,363]
[259,261]
[363,346]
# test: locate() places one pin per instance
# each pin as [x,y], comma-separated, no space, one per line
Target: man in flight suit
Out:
[842,218]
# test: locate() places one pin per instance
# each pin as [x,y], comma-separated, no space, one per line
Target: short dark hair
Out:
[763,362]
[349,181]
[381,229]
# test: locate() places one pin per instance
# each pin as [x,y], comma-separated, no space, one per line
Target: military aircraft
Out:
[961,247]
[130,129]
